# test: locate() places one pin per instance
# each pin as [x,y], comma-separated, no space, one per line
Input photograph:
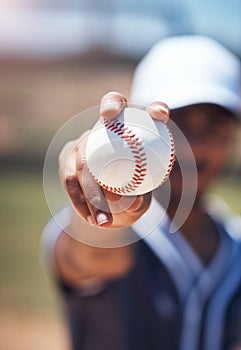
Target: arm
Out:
[76,262]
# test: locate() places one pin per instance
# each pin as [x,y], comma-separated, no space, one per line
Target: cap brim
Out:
[180,96]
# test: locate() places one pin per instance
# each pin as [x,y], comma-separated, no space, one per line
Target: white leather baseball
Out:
[132,154]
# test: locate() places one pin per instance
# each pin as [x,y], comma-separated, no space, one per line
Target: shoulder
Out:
[220,212]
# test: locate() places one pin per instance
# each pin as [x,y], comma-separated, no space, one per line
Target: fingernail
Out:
[102,218]
[111,106]
[162,109]
[108,104]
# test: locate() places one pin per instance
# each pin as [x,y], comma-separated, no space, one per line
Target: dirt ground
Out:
[25,332]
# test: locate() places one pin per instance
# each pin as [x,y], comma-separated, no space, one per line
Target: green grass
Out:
[23,282]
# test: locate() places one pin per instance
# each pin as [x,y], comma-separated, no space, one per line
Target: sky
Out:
[52,28]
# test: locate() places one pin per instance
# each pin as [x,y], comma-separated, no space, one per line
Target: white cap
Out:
[187,70]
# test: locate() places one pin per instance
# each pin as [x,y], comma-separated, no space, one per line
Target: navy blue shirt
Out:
[168,301]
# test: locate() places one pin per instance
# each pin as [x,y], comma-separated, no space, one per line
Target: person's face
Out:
[208,129]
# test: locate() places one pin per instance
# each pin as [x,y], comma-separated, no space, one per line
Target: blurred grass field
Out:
[24,213]
[35,100]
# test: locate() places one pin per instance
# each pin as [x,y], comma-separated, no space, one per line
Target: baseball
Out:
[132,154]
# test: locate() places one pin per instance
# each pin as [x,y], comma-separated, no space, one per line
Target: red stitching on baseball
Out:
[137,150]
[172,160]
[139,155]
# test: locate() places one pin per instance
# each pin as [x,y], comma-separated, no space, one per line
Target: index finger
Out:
[94,197]
[112,104]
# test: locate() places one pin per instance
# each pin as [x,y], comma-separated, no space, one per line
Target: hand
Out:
[94,204]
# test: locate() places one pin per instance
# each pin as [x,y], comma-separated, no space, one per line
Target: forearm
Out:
[77,262]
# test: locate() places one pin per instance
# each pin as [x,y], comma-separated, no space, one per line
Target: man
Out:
[166,291]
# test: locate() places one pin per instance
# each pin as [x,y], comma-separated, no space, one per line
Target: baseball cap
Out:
[186,70]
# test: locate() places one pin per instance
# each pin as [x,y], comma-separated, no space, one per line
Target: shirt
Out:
[168,301]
